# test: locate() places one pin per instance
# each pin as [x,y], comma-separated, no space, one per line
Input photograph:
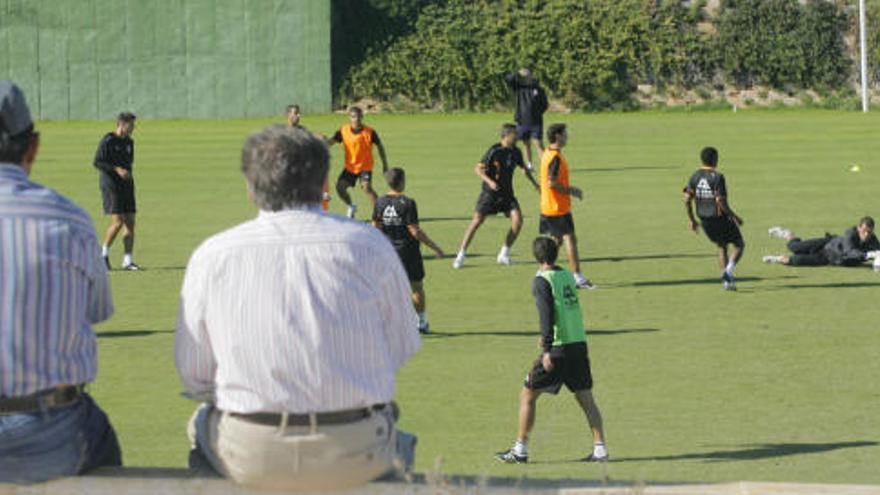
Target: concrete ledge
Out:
[157,481]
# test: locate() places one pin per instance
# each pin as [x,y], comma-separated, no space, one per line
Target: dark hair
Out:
[709,156]
[545,250]
[554,131]
[126,117]
[867,222]
[508,129]
[13,148]
[293,106]
[285,167]
[395,178]
[357,110]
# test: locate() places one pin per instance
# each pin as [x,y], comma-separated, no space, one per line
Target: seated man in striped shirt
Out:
[53,287]
[292,327]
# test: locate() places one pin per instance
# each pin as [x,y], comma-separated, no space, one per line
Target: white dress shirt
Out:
[295,311]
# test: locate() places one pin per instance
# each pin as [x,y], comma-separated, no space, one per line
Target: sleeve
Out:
[487,156]
[543,294]
[193,354]
[511,80]
[412,214]
[395,304]
[102,157]
[338,136]
[541,102]
[553,173]
[721,187]
[375,137]
[689,186]
[852,249]
[100,299]
[873,244]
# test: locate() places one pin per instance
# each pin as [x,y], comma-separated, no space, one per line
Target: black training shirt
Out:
[394,213]
[531,100]
[706,185]
[500,164]
[114,151]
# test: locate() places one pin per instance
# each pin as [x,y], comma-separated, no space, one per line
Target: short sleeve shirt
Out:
[707,185]
[394,213]
[500,164]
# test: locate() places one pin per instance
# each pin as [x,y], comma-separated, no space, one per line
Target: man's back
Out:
[299,308]
[707,184]
[394,213]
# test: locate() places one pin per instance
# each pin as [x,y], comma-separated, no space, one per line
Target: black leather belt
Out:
[43,400]
[326,418]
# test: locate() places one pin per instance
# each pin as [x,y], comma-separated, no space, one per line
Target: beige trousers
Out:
[316,457]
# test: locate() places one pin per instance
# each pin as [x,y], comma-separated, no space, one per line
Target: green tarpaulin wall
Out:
[91,59]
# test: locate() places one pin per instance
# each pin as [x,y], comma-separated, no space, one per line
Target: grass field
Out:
[776,382]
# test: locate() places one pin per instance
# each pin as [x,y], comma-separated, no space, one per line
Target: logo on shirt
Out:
[704,191]
[390,216]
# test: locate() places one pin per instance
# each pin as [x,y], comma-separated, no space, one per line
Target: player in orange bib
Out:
[294,121]
[358,140]
[556,193]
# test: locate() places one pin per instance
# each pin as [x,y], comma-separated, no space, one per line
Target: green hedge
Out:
[592,53]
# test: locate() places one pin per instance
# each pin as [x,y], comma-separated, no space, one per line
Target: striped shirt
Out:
[295,311]
[53,287]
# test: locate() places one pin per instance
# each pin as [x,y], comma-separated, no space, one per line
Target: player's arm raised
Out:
[480,170]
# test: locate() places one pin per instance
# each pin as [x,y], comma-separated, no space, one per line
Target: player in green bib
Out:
[564,359]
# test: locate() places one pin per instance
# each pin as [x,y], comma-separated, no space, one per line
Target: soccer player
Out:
[856,245]
[564,358]
[708,189]
[397,217]
[556,194]
[294,121]
[358,140]
[496,171]
[531,103]
[114,160]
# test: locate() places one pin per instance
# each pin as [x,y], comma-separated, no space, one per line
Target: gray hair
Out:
[285,167]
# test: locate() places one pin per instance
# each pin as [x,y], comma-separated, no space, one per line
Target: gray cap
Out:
[15,117]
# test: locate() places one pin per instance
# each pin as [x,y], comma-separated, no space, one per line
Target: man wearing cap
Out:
[53,287]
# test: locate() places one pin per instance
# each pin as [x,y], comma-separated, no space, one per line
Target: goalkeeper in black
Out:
[564,358]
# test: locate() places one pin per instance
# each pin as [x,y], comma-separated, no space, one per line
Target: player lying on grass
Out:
[397,217]
[856,245]
[564,359]
[496,170]
[708,189]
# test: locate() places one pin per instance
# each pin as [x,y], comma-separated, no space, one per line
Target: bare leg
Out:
[722,257]
[527,143]
[368,189]
[594,417]
[342,191]
[418,296]
[128,232]
[570,241]
[516,222]
[113,229]
[471,230]
[737,254]
[527,409]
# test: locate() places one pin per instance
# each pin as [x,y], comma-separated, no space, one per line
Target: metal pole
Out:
[864,64]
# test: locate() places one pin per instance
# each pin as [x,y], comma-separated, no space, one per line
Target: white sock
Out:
[460,254]
[529,166]
[578,276]
[599,450]
[105,250]
[423,318]
[521,448]
[126,259]
[731,265]
[505,251]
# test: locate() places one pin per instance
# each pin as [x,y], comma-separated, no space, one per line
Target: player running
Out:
[497,196]
[397,217]
[556,194]
[721,225]
[564,358]
[358,140]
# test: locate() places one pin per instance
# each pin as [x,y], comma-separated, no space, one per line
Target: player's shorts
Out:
[524,132]
[118,199]
[722,231]
[351,178]
[411,257]
[572,368]
[556,226]
[492,204]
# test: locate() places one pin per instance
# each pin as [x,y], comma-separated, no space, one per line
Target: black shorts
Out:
[118,199]
[492,204]
[556,226]
[722,231]
[524,132]
[351,178]
[571,368]
[411,257]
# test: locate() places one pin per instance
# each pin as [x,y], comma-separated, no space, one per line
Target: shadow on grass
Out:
[754,452]
[534,333]
[444,219]
[832,285]
[115,334]
[638,257]
[624,168]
